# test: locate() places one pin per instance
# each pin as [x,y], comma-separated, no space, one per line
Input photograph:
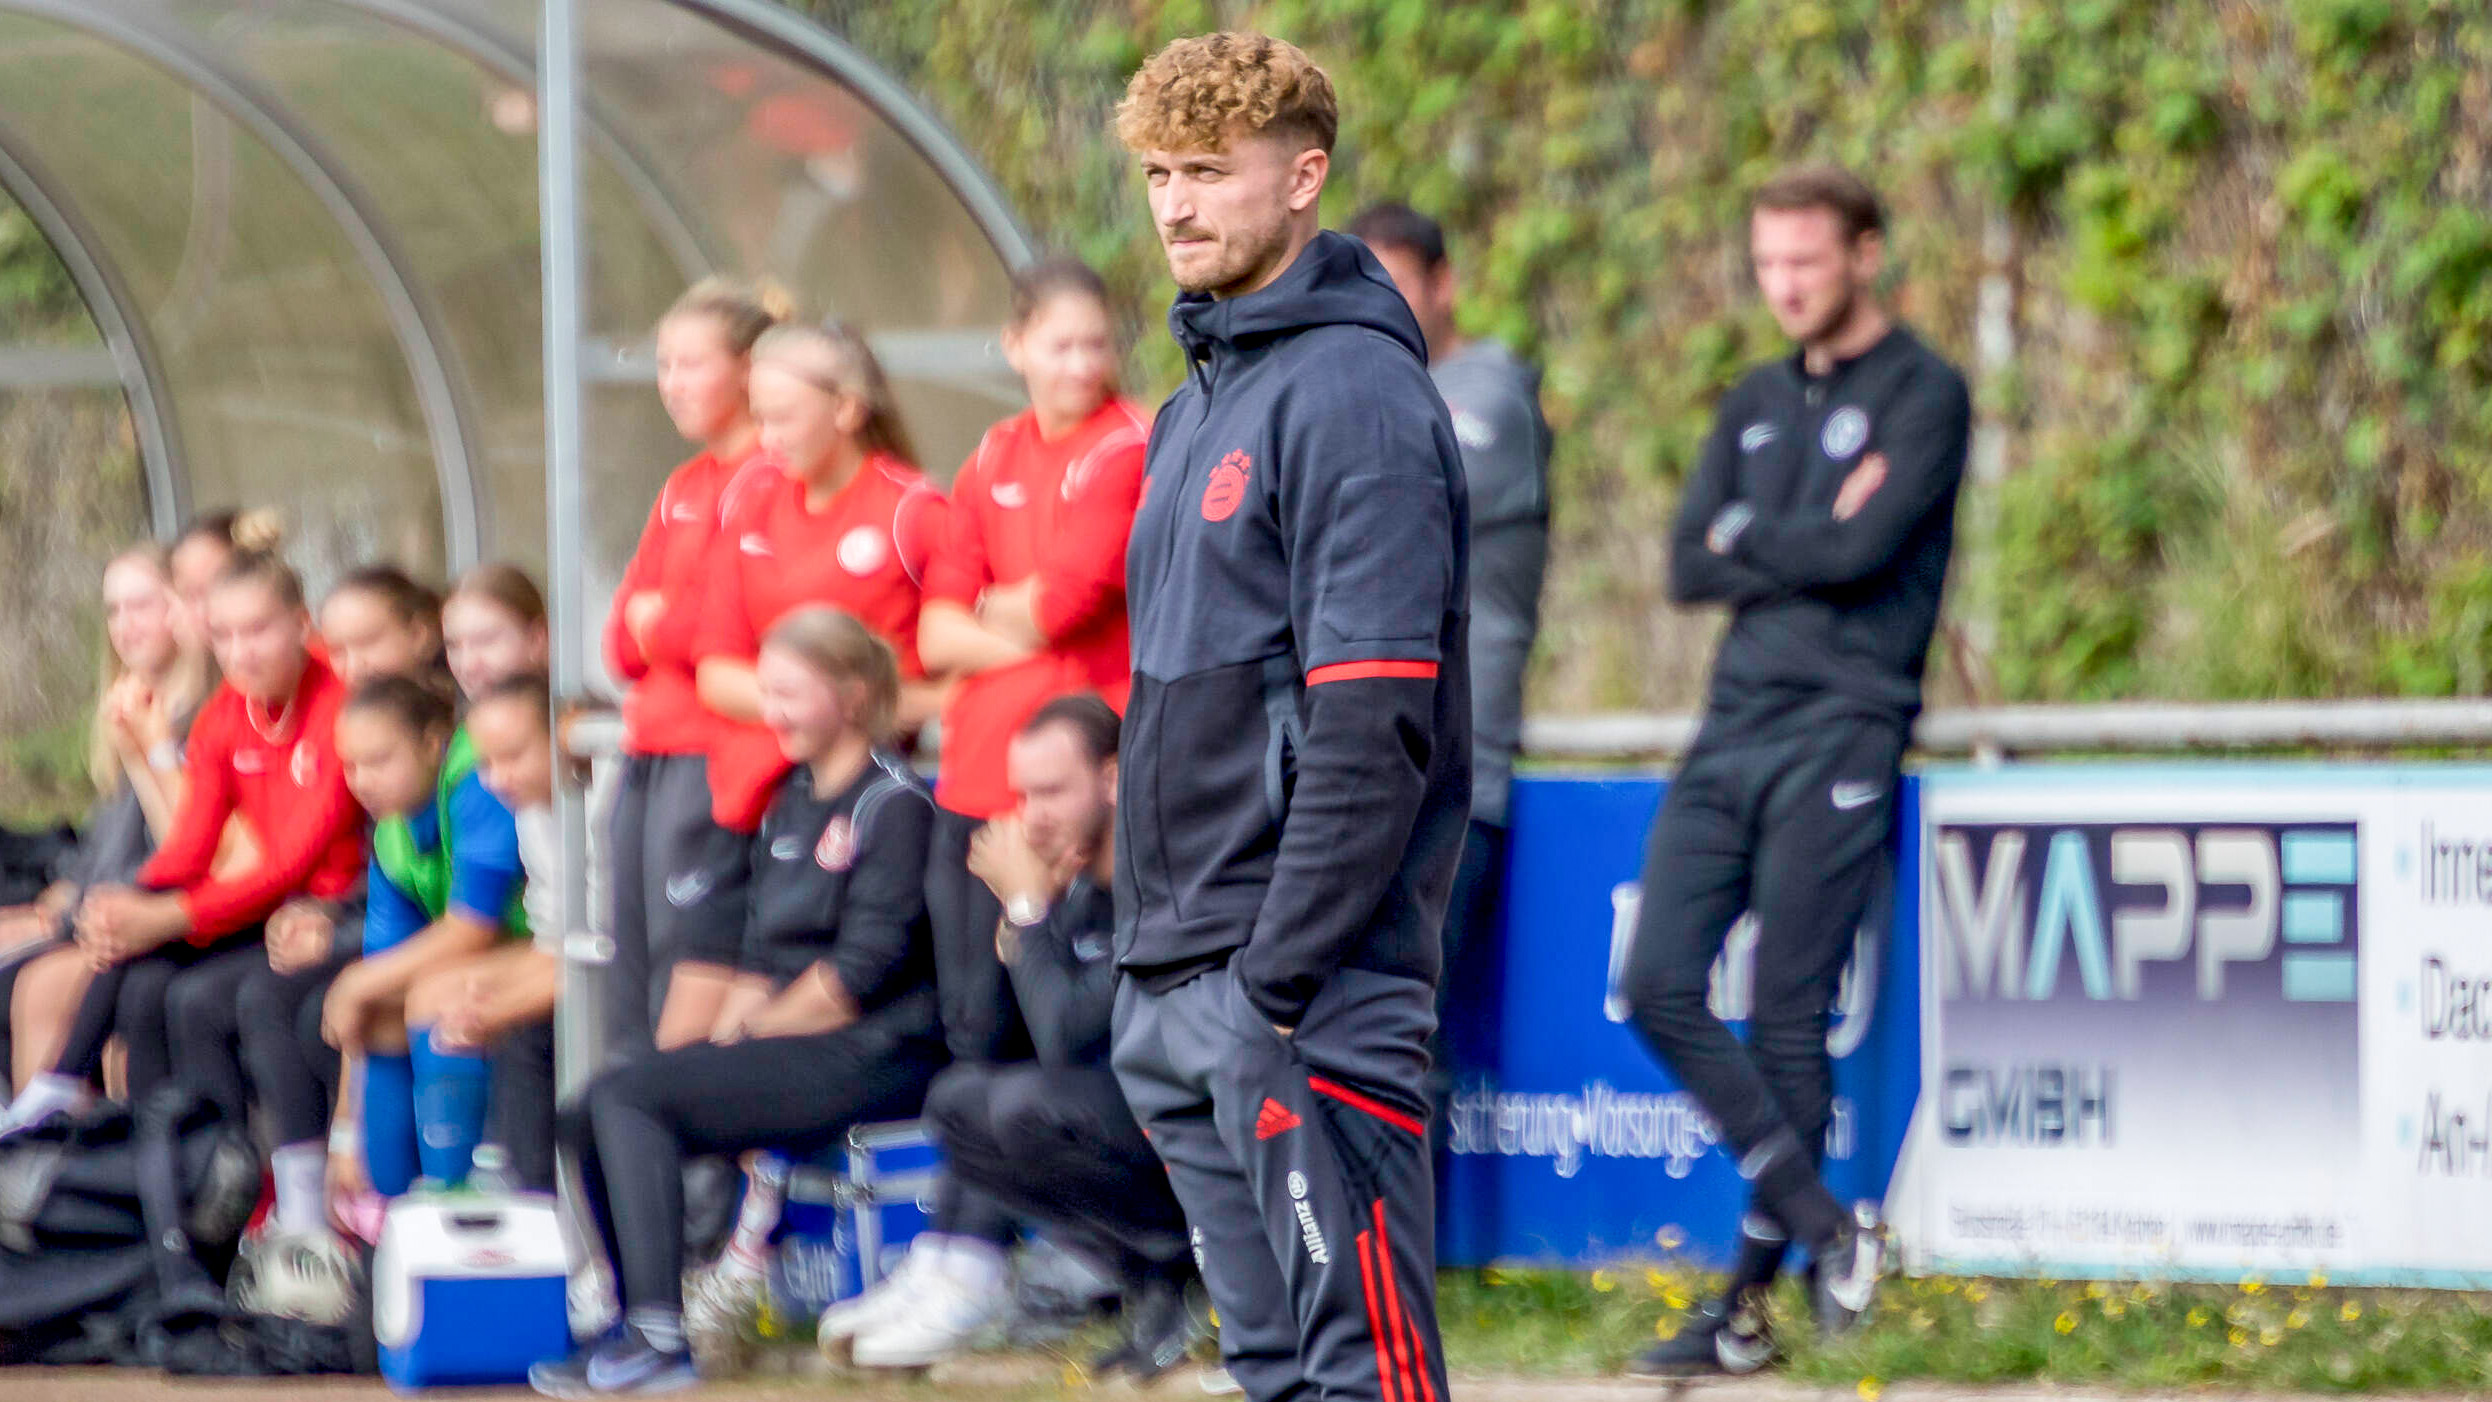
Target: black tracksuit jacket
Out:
[1822,608]
[1296,766]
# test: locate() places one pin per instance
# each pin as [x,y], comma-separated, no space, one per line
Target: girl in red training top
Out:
[674,868]
[1025,602]
[835,513]
[262,748]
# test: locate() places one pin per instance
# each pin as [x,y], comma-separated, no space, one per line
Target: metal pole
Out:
[560,242]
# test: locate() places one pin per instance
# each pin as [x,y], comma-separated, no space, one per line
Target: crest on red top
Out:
[863,550]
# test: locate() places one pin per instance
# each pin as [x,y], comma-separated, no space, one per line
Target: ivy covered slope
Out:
[2248,439]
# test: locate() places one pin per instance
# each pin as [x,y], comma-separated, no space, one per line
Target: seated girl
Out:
[829,1020]
[185,933]
[444,884]
[156,675]
[500,1006]
[376,622]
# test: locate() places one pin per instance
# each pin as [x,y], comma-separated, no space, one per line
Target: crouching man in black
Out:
[1052,1139]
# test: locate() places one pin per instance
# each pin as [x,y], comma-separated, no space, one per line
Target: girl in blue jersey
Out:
[445,882]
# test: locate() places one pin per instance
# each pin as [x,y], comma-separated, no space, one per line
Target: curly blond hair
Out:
[1203,92]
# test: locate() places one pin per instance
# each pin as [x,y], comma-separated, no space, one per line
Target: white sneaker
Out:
[40,1103]
[1219,1382]
[308,1276]
[944,1319]
[845,1319]
[589,1300]
[720,1303]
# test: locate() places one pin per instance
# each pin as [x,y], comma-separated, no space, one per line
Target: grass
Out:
[2257,1335]
[43,775]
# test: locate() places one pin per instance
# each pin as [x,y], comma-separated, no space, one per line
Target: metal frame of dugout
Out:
[391,265]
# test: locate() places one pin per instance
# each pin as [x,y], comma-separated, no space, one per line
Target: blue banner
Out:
[1567,1143]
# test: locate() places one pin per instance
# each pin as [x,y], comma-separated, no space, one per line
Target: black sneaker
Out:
[1848,1273]
[1720,1340]
[1159,1329]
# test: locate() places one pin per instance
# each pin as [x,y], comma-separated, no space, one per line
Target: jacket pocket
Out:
[1211,802]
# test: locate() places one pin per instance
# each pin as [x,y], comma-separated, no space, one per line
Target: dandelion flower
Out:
[1870,1390]
[2271,1336]
[1676,1298]
[2113,1309]
[2297,1319]
[1976,1292]
[1604,1282]
[2351,1312]
[2318,1280]
[2066,1323]
[2238,1338]
[1665,1328]
[1655,1281]
[2252,1285]
[2095,1290]
[2200,1317]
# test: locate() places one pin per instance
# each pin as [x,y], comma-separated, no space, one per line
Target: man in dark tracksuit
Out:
[1495,400]
[1822,512]
[1052,1139]
[1295,770]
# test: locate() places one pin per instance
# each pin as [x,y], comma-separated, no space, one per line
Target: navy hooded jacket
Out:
[1295,773]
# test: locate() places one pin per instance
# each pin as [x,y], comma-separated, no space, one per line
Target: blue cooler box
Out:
[851,1215]
[468,1291]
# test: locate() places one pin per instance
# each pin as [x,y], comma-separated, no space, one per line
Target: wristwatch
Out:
[1023,912]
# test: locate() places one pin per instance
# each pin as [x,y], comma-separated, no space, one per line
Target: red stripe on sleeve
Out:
[1354,671]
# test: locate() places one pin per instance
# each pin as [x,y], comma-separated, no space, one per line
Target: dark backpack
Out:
[31,859]
[75,1240]
[133,1220]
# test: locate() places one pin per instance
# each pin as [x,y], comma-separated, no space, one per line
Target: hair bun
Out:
[775,300]
[258,531]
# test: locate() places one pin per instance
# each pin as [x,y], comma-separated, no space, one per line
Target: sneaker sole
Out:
[564,1387]
[653,1386]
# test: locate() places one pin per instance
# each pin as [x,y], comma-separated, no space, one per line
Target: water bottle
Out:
[489,1172]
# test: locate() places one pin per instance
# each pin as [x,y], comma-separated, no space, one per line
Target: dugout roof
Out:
[308,234]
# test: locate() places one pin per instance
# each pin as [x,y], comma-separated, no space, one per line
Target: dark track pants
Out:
[634,1126]
[293,1071]
[1303,1166]
[1791,825]
[522,1103]
[981,1019]
[678,889]
[132,1000]
[1059,1146]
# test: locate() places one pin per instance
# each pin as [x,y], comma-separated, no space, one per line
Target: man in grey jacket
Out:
[1495,399]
